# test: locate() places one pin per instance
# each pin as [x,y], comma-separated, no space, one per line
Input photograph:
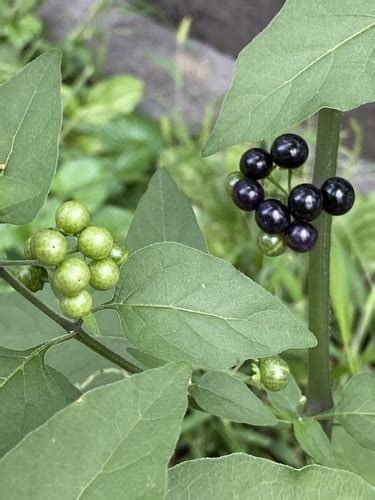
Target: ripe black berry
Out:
[305,202]
[272,216]
[289,151]
[338,195]
[256,163]
[247,194]
[301,236]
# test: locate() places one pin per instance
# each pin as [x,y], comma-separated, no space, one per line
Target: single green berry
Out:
[231,180]
[119,254]
[49,247]
[274,373]
[71,277]
[271,245]
[95,242]
[27,249]
[72,217]
[33,277]
[76,306]
[104,274]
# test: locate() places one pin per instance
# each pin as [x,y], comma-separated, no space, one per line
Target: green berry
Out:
[271,245]
[104,274]
[274,373]
[49,247]
[119,254]
[231,180]
[95,242]
[33,277]
[72,217]
[76,306]
[71,277]
[27,249]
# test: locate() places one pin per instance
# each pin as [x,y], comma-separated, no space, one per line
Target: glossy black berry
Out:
[301,236]
[272,216]
[256,163]
[338,195]
[247,194]
[305,202]
[289,151]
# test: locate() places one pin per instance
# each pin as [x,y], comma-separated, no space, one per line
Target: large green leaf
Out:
[30,393]
[312,55]
[314,441]
[13,191]
[180,304]
[286,400]
[225,396]
[355,409]
[115,442]
[242,477]
[29,130]
[164,214]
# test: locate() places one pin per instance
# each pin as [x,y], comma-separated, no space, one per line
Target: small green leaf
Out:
[114,442]
[180,304]
[296,66]
[29,131]
[225,396]
[164,214]
[314,441]
[242,477]
[286,400]
[30,393]
[355,409]
[90,324]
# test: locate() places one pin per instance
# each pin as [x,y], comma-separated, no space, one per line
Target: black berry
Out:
[301,236]
[272,216]
[338,195]
[256,163]
[289,151]
[247,194]
[305,202]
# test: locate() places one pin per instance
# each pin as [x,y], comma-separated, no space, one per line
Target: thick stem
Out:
[72,327]
[319,394]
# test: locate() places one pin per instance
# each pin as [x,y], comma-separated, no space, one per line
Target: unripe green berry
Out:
[71,277]
[104,274]
[119,254]
[27,249]
[33,277]
[76,306]
[95,242]
[274,373]
[49,247]
[231,180]
[271,245]
[72,217]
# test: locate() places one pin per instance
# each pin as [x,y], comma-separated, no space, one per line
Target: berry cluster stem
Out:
[319,393]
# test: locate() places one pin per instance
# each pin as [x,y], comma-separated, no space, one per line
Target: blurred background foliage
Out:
[108,153]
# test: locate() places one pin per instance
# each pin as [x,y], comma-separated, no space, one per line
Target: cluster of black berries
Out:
[286,225]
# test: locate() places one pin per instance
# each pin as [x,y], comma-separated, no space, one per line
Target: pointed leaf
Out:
[180,304]
[29,130]
[115,442]
[225,396]
[312,55]
[314,441]
[164,214]
[286,400]
[243,477]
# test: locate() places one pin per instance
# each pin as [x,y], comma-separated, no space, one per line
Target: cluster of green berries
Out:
[286,224]
[94,260]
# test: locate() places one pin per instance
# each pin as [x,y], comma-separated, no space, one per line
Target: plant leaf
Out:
[225,396]
[115,441]
[164,214]
[242,477]
[29,130]
[30,393]
[314,441]
[286,400]
[296,66]
[180,304]
[355,409]
[14,191]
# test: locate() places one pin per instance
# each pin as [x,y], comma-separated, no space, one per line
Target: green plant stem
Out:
[319,393]
[72,327]
[273,181]
[21,262]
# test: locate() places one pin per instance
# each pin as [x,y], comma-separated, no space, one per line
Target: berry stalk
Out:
[319,393]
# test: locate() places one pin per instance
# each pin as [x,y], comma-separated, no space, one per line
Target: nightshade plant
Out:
[198,333]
